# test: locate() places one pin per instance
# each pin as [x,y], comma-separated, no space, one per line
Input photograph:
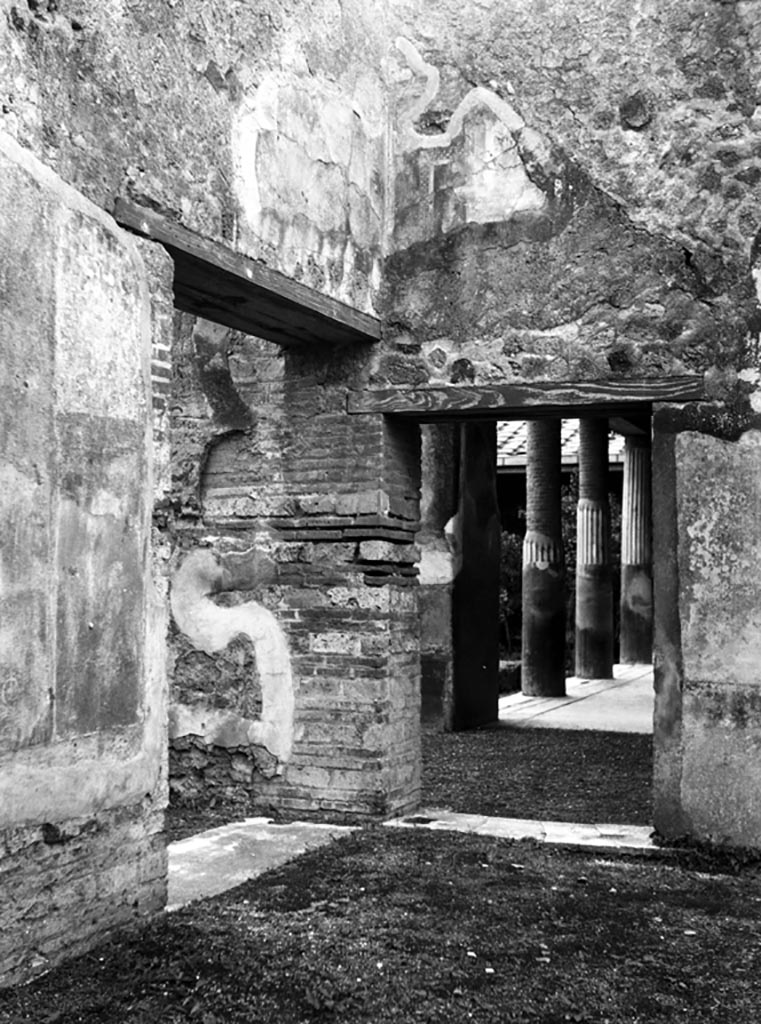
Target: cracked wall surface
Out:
[82,620]
[512,257]
[656,101]
[709,643]
[263,126]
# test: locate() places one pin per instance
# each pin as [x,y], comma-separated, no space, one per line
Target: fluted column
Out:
[594,589]
[636,555]
[543,653]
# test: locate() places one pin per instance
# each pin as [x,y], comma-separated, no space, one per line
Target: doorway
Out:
[565,768]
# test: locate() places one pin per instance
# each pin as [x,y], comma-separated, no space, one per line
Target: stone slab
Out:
[221,858]
[610,837]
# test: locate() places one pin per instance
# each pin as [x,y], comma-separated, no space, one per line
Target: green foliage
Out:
[510,572]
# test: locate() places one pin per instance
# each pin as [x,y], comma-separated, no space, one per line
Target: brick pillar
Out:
[543,657]
[594,588]
[636,555]
[306,698]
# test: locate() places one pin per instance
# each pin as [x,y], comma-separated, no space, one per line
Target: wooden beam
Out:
[528,401]
[215,282]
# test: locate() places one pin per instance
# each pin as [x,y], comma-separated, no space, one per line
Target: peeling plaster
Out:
[437,565]
[211,628]
[484,176]
[308,160]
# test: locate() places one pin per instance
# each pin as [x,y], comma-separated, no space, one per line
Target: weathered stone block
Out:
[67,887]
[708,637]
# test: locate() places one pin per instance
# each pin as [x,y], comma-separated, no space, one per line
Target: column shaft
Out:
[475,596]
[594,589]
[636,555]
[543,653]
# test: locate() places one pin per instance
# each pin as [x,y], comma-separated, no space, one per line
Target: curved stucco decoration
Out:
[478,96]
[490,156]
[211,628]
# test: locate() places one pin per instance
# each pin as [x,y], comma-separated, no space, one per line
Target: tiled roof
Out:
[511,444]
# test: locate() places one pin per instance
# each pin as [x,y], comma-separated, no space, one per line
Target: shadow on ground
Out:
[547,774]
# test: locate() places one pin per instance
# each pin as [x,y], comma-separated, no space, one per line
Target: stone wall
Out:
[522,192]
[577,197]
[263,126]
[82,758]
[709,641]
[298,520]
[562,213]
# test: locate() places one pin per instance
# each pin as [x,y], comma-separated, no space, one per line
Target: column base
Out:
[636,615]
[594,622]
[543,654]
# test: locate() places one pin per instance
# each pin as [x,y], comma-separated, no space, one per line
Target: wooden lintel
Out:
[215,282]
[528,401]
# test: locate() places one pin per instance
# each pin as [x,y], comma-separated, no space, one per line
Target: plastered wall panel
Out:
[81,658]
[27,445]
[719,499]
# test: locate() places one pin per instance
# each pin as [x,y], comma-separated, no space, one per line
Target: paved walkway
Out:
[621,704]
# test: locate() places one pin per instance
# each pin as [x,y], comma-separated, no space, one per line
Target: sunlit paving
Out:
[621,704]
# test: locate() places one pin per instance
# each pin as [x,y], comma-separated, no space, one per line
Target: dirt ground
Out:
[553,774]
[390,925]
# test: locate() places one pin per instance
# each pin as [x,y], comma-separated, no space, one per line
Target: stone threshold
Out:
[611,838]
[212,862]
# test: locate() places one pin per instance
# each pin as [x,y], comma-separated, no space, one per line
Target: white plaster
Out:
[301,147]
[436,566]
[428,72]
[453,537]
[475,98]
[755,273]
[719,500]
[104,503]
[211,628]
[369,103]
[216,726]
[493,183]
[259,114]
[97,291]
[749,376]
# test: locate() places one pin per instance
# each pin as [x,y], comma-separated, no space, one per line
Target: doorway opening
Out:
[583,753]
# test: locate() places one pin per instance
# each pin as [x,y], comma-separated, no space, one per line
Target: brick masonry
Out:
[68,884]
[313,515]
